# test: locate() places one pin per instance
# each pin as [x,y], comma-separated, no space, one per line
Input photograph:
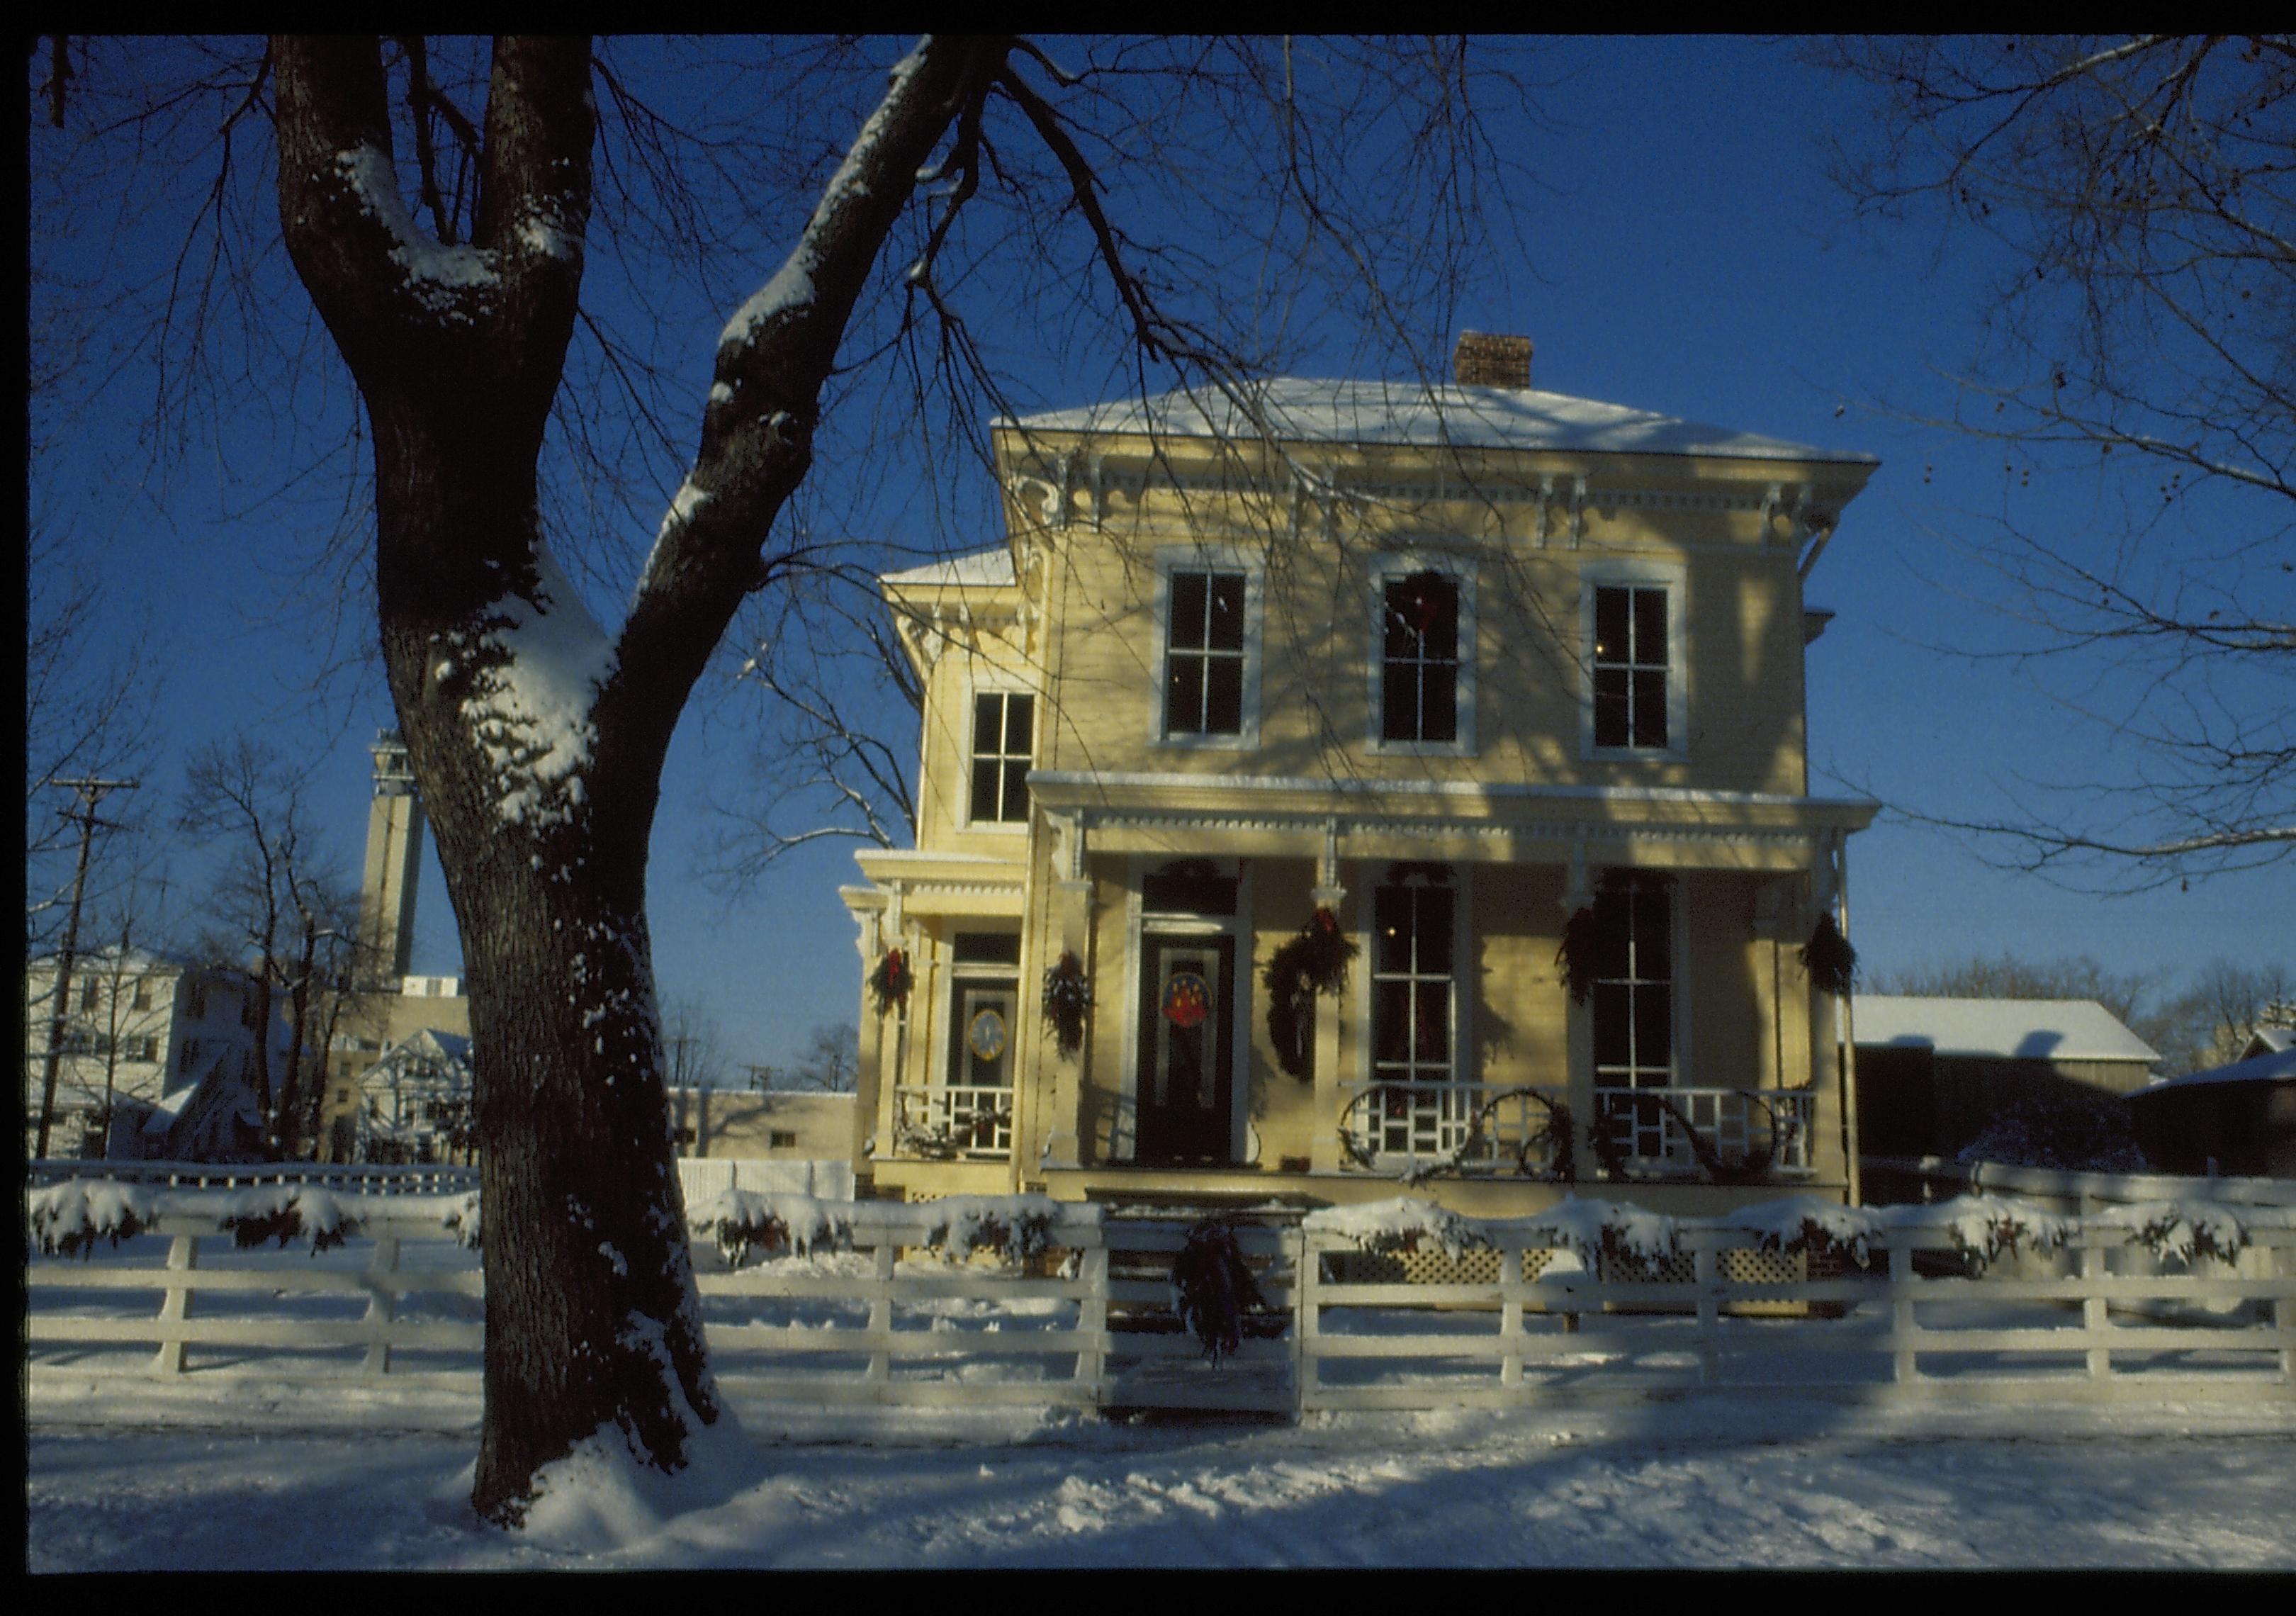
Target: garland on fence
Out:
[891,981]
[1212,1288]
[1315,962]
[1575,957]
[1828,957]
[1067,999]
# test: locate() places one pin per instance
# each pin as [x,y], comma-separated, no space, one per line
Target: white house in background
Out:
[144,1031]
[413,1104]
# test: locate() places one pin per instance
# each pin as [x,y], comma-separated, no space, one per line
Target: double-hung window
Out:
[1003,731]
[1204,653]
[1411,983]
[1634,1035]
[1631,663]
[1419,659]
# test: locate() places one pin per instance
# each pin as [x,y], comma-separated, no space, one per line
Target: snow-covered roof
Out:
[1304,410]
[2273,1040]
[2278,1066]
[2001,1029]
[981,568]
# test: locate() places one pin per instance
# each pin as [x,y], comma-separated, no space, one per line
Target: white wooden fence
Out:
[1088,1323]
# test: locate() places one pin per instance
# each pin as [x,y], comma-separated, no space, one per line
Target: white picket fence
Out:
[1088,1323]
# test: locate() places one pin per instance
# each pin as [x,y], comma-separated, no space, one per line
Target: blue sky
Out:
[1687,255]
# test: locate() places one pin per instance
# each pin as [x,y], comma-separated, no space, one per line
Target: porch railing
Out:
[1734,1124]
[959,1124]
[1391,1123]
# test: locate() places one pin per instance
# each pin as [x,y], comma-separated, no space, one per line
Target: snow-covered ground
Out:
[332,1483]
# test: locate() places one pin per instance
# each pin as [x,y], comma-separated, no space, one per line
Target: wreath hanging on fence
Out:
[1313,962]
[1212,1288]
[891,981]
[1068,999]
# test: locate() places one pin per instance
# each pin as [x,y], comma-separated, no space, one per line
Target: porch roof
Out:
[1470,821]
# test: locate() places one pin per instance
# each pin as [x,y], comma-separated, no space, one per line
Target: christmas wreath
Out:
[1212,1288]
[1828,957]
[889,982]
[1068,996]
[1315,962]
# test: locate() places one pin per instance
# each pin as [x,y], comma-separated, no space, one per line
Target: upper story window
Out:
[142,993]
[1419,659]
[1204,653]
[1631,660]
[1003,733]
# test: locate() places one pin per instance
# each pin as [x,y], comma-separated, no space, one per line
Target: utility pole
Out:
[90,793]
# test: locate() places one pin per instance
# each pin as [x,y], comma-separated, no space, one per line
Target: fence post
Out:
[183,1256]
[1511,1315]
[1709,1312]
[880,1376]
[2089,1263]
[1306,1320]
[1903,1370]
[383,1302]
[1092,1321]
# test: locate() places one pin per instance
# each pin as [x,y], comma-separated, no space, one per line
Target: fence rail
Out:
[1088,1323]
[427,1178]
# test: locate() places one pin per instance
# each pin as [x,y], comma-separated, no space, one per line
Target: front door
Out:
[1187,1084]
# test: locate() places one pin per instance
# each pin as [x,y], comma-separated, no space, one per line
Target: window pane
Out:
[984,788]
[1434,931]
[1439,718]
[1188,592]
[1611,707]
[1654,936]
[1016,789]
[1650,709]
[1610,625]
[1019,720]
[987,723]
[1225,631]
[1650,628]
[1612,1004]
[1402,640]
[1432,1039]
[1442,634]
[1392,943]
[1183,695]
[1653,1026]
[1610,921]
[1399,703]
[1224,696]
[1390,1021]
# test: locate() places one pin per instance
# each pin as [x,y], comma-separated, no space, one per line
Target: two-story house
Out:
[1501,687]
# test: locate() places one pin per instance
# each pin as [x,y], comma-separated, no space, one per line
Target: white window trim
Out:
[1674,579]
[1210,558]
[1403,564]
[991,684]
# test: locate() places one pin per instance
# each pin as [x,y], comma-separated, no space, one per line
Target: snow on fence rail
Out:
[427,1178]
[1400,1305]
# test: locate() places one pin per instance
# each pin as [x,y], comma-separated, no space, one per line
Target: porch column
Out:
[1072,925]
[1323,1143]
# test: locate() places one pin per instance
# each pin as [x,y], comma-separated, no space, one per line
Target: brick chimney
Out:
[1484,360]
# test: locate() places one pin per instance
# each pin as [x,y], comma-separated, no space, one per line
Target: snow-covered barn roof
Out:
[2001,1029]
[2277,1066]
[1303,410]
[979,569]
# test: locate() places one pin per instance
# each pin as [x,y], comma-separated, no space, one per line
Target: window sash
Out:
[1631,662]
[1419,673]
[1003,725]
[1204,653]
[1412,998]
[1634,1035]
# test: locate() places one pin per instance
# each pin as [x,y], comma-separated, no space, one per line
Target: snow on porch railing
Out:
[428,1179]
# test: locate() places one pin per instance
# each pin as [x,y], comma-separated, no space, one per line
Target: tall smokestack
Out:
[394,861]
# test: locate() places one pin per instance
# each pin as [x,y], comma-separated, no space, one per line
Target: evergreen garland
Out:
[1068,996]
[1313,962]
[1212,1288]
[1575,957]
[1828,957]
[889,982]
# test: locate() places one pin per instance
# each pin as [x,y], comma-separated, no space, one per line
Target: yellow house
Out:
[1449,674]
